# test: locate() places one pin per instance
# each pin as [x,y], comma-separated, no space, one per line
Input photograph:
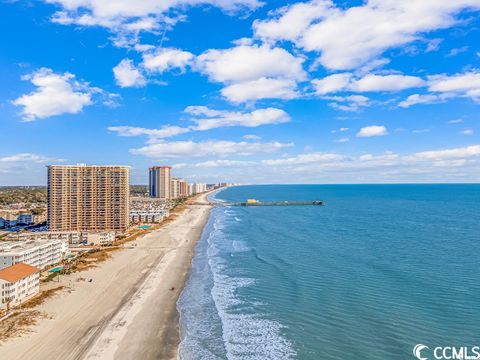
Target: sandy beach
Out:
[128,311]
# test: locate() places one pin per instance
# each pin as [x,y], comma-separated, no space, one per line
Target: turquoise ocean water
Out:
[376,271]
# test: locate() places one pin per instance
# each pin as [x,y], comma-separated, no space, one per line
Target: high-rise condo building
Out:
[179,188]
[160,182]
[88,198]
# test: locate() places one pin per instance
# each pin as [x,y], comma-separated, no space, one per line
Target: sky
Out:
[242,91]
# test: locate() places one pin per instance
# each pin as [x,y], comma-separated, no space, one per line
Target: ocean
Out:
[376,271]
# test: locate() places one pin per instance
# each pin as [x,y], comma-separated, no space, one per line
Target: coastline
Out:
[129,309]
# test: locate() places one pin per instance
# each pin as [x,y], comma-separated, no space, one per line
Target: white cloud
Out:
[132,16]
[348,103]
[206,119]
[467,131]
[421,99]
[455,121]
[343,139]
[457,51]
[246,63]
[292,21]
[374,130]
[421,131]
[443,87]
[306,159]
[466,84]
[251,137]
[372,82]
[464,152]
[332,83]
[215,164]
[369,83]
[167,59]
[127,75]
[262,88]
[27,157]
[164,150]
[56,94]
[349,38]
[163,132]
[25,163]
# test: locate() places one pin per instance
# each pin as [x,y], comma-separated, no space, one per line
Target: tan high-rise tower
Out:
[160,182]
[88,198]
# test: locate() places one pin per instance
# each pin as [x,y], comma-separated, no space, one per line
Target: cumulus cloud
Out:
[207,148]
[128,17]
[206,118]
[27,157]
[215,164]
[348,103]
[246,63]
[368,83]
[262,88]
[439,165]
[443,87]
[167,59]
[127,75]
[463,84]
[464,152]
[420,99]
[374,130]
[163,132]
[306,159]
[379,25]
[55,94]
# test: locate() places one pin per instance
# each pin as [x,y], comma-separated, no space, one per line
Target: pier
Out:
[253,202]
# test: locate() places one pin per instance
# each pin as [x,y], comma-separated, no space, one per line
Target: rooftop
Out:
[17,272]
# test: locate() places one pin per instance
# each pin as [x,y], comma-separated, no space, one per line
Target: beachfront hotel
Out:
[160,182]
[88,198]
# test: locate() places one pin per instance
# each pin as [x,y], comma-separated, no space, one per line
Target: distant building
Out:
[200,188]
[38,253]
[179,188]
[30,219]
[175,188]
[71,237]
[88,198]
[18,283]
[182,188]
[160,182]
[194,189]
[148,216]
[7,221]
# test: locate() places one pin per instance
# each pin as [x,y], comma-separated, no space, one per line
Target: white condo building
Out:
[18,283]
[71,237]
[38,253]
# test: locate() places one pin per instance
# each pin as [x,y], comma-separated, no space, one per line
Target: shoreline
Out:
[138,318]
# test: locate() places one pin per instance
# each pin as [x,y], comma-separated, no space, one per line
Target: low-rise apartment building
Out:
[148,216]
[71,237]
[38,253]
[18,283]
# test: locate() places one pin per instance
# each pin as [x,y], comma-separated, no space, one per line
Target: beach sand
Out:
[129,309]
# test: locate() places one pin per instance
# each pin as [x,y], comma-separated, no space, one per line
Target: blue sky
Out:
[242,90]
